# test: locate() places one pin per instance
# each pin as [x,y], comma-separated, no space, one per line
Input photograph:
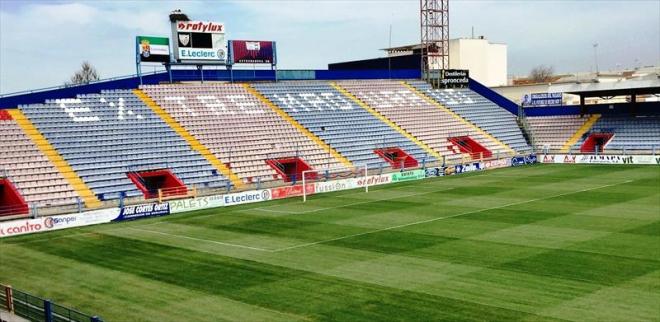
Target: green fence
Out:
[37,309]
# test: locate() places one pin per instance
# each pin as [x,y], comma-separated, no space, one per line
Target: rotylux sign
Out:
[202,41]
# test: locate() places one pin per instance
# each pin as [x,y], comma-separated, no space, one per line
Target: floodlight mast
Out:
[304,178]
[434,27]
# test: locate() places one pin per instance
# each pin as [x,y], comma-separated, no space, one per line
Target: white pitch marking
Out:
[446,217]
[202,240]
[345,205]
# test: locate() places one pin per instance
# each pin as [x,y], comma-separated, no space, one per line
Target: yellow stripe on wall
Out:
[435,103]
[192,141]
[299,126]
[387,121]
[70,175]
[580,132]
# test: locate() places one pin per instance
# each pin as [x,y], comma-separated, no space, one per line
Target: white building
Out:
[486,61]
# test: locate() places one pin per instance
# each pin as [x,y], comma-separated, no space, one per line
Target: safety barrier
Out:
[34,308]
[324,184]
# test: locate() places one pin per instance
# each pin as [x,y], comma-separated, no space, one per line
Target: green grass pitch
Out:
[539,243]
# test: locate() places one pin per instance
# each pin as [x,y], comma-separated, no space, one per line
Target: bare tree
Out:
[86,74]
[541,74]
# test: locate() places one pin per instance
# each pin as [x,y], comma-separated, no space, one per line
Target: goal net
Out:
[339,178]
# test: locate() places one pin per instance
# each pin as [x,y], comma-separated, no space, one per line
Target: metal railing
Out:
[34,308]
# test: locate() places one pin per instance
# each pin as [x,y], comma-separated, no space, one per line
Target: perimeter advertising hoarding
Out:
[252,52]
[201,41]
[153,49]
[455,78]
[542,99]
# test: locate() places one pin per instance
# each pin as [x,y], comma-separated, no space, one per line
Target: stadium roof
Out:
[642,87]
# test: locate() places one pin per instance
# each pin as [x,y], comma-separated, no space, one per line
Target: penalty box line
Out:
[447,217]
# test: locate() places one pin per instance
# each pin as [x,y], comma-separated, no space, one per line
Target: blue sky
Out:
[43,42]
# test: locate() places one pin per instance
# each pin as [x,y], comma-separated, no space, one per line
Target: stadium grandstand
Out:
[531,240]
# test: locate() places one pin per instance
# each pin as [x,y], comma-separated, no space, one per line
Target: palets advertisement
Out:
[153,49]
[252,52]
[199,41]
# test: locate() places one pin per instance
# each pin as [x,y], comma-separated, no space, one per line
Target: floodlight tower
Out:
[434,23]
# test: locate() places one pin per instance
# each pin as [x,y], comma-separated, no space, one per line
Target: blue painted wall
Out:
[494,96]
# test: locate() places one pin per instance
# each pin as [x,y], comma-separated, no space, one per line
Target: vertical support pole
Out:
[228,185]
[79,203]
[160,195]
[9,298]
[366,175]
[194,191]
[48,311]
[304,186]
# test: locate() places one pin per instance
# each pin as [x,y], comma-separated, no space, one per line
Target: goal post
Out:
[333,173]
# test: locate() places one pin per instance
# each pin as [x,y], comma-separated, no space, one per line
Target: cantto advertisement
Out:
[29,226]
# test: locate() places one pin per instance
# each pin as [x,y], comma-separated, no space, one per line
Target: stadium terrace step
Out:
[492,141]
[5,116]
[586,126]
[397,158]
[387,121]
[298,126]
[62,165]
[291,169]
[11,201]
[193,142]
[596,142]
[467,145]
[158,183]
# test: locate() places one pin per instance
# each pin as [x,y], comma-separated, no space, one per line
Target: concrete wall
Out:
[487,62]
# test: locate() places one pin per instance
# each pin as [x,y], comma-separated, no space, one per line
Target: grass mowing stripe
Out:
[201,240]
[432,271]
[451,216]
[278,288]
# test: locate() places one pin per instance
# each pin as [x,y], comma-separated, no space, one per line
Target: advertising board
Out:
[245,197]
[153,49]
[455,78]
[600,159]
[143,211]
[252,52]
[184,205]
[43,224]
[292,191]
[338,185]
[202,41]
[408,175]
[470,167]
[499,163]
[542,99]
